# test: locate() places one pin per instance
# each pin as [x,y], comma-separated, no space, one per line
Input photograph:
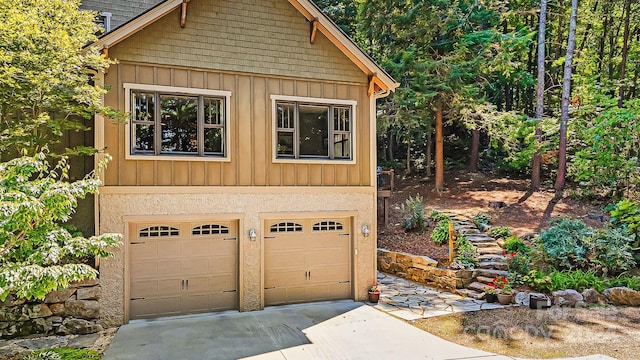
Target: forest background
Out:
[468,72]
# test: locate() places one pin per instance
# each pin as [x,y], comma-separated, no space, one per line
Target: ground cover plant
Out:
[63,354]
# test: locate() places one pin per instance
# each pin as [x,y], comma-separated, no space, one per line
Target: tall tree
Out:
[46,76]
[542,29]
[625,52]
[566,93]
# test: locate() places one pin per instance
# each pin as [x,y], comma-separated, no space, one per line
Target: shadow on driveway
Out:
[228,335]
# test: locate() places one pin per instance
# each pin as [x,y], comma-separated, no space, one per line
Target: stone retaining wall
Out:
[423,270]
[71,311]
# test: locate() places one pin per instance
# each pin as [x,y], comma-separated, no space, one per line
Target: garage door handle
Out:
[269,237]
[137,243]
[344,282]
[344,234]
[230,238]
[138,298]
[269,288]
[187,284]
[182,286]
[229,291]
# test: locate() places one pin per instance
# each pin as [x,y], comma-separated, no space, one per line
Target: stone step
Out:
[491,273]
[477,286]
[480,238]
[492,265]
[485,244]
[484,279]
[492,257]
[470,293]
[500,243]
[469,232]
[490,251]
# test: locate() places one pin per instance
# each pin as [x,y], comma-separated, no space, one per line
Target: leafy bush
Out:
[466,254]
[566,243]
[440,234]
[578,280]
[413,214]
[37,254]
[632,282]
[63,354]
[612,251]
[481,219]
[436,216]
[627,213]
[538,281]
[500,232]
[514,244]
[518,264]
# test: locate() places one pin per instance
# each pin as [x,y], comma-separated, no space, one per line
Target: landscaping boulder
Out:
[592,296]
[78,327]
[568,297]
[35,311]
[622,296]
[83,309]
[521,298]
[88,293]
[59,296]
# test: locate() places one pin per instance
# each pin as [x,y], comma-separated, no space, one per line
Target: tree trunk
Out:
[566,94]
[439,149]
[475,149]
[542,28]
[429,150]
[625,52]
[409,157]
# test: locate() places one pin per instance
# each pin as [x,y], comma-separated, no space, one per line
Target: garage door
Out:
[307,260]
[182,268]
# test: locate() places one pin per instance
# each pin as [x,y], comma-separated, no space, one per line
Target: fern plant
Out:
[413,214]
[440,234]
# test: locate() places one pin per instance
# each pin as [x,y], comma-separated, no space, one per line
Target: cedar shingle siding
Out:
[251,36]
[121,10]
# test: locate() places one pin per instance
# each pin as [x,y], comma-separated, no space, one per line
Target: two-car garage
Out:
[188,267]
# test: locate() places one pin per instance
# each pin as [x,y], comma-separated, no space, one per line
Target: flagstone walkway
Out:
[411,301]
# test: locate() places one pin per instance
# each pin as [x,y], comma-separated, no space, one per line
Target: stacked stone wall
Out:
[422,269]
[72,311]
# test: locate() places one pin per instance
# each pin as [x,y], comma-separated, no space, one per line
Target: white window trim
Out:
[178,91]
[312,100]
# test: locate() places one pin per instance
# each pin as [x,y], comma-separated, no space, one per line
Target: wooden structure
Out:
[385,180]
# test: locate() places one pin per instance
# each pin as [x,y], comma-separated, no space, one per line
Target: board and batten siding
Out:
[250,126]
[251,36]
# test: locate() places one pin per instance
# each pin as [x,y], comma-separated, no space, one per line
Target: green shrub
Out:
[63,354]
[500,232]
[566,243]
[518,264]
[440,234]
[626,213]
[514,244]
[481,219]
[466,254]
[632,282]
[413,214]
[436,216]
[538,281]
[612,251]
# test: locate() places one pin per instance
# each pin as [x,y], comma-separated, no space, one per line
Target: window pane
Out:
[285,143]
[213,140]
[143,106]
[341,119]
[341,146]
[314,130]
[179,116]
[143,138]
[285,116]
[213,111]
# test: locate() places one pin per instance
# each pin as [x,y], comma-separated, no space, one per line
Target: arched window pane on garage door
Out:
[210,229]
[328,226]
[285,227]
[159,231]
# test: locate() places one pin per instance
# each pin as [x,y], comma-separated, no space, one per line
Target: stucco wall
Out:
[250,205]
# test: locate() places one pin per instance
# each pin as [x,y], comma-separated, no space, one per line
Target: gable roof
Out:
[380,80]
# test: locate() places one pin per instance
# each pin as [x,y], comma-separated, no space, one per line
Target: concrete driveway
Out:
[325,330]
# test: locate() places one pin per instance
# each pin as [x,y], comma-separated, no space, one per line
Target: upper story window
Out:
[309,128]
[104,20]
[177,122]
